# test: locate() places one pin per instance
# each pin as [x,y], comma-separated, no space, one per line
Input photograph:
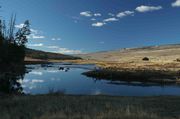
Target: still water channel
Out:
[69,80]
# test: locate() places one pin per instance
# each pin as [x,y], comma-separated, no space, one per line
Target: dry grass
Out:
[88,107]
[160,58]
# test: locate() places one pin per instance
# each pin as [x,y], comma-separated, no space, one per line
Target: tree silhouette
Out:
[21,35]
[12,54]
[12,45]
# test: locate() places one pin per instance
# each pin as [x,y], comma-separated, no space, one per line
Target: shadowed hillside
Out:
[37,54]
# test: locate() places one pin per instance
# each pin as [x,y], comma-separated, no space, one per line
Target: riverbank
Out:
[144,71]
[136,75]
[59,106]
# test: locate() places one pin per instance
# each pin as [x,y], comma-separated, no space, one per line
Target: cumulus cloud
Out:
[36,45]
[111,14]
[176,3]
[125,13]
[110,19]
[86,14]
[144,8]
[35,34]
[98,24]
[97,15]
[19,25]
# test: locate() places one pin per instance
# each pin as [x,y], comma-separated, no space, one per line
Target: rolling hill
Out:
[41,55]
[163,53]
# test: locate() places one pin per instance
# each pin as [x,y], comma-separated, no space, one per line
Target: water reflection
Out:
[42,80]
[11,77]
[38,79]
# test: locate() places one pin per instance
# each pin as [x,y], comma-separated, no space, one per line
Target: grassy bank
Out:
[148,75]
[88,107]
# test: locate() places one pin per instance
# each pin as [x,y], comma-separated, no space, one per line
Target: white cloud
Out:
[76,18]
[32,87]
[19,25]
[37,81]
[86,14]
[98,24]
[68,51]
[64,50]
[176,3]
[36,73]
[125,13]
[93,19]
[36,45]
[34,36]
[52,71]
[52,47]
[111,14]
[97,15]
[110,19]
[34,31]
[56,39]
[144,8]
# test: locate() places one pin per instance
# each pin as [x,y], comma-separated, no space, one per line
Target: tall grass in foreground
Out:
[56,106]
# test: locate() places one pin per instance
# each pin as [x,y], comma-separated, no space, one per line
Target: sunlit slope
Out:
[165,53]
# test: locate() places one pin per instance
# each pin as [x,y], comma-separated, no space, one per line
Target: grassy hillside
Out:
[36,54]
[165,53]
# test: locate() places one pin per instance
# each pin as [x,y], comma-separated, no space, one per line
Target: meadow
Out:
[59,106]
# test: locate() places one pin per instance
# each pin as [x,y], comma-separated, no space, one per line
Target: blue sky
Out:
[82,26]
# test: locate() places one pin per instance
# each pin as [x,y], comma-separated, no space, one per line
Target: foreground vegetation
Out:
[12,54]
[12,44]
[56,106]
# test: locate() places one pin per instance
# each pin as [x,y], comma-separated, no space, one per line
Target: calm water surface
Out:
[43,79]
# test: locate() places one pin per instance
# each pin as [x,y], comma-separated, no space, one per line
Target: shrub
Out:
[145,59]
[178,59]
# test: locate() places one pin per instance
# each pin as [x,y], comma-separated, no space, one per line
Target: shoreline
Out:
[146,76]
[163,73]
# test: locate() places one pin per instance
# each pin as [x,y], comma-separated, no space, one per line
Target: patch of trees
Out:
[12,41]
